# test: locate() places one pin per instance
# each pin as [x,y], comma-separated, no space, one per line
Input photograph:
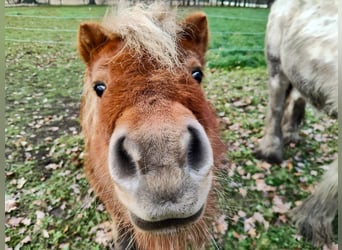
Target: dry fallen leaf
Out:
[252,232]
[64,246]
[279,206]
[264,165]
[45,234]
[21,182]
[248,224]
[220,225]
[8,248]
[243,192]
[14,221]
[10,205]
[40,215]
[26,221]
[27,239]
[52,166]
[258,176]
[242,214]
[260,185]
[103,232]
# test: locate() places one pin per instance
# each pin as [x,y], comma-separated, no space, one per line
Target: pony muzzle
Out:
[162,174]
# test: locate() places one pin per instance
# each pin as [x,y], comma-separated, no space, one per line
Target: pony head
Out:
[151,136]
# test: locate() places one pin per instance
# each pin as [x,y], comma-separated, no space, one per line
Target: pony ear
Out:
[195,33]
[91,36]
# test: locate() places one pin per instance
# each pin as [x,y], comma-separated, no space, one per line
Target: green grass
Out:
[238,39]
[44,174]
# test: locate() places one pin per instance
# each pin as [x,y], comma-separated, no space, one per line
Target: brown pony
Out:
[151,137]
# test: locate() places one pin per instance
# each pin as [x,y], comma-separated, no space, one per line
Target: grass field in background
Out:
[49,205]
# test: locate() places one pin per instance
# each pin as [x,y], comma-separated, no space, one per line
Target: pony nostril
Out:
[195,149]
[123,160]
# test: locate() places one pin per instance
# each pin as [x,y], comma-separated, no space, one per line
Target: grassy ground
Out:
[48,201]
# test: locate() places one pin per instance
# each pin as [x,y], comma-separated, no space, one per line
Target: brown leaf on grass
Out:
[248,224]
[240,171]
[10,205]
[235,127]
[220,226]
[264,165]
[239,236]
[258,176]
[40,215]
[14,221]
[89,199]
[103,233]
[8,248]
[52,166]
[21,182]
[260,185]
[243,192]
[313,172]
[54,129]
[252,232]
[26,221]
[103,237]
[235,219]
[282,218]
[45,234]
[100,207]
[289,165]
[9,173]
[64,246]
[318,127]
[242,102]
[75,188]
[242,214]
[279,206]
[27,239]
[260,218]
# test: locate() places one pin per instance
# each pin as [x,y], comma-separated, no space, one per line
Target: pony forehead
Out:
[150,30]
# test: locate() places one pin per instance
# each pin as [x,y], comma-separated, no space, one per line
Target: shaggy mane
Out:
[150,30]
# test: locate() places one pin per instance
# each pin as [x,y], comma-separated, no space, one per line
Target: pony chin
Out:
[175,238]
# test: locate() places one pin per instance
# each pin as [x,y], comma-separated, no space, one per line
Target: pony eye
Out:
[197,74]
[99,88]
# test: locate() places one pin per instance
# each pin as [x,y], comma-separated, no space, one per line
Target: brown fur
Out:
[143,84]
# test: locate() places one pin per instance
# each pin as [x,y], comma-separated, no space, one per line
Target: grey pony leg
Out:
[293,115]
[271,145]
[315,215]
